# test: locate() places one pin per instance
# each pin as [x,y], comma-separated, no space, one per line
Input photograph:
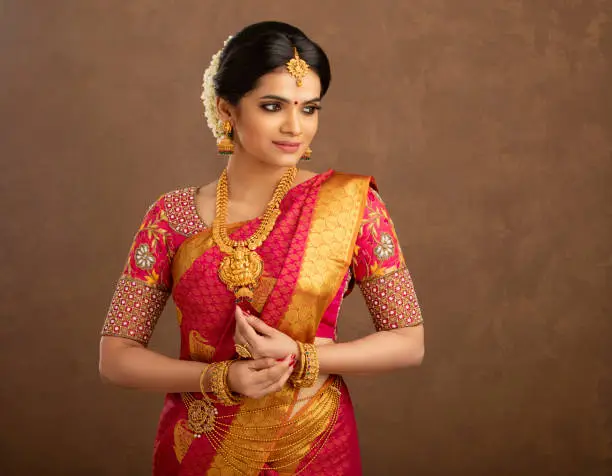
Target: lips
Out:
[286,146]
[286,143]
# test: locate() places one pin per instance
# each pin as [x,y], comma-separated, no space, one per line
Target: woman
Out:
[258,264]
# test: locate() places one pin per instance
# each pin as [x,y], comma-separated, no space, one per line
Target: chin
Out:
[282,160]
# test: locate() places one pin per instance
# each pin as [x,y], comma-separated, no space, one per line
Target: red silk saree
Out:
[333,231]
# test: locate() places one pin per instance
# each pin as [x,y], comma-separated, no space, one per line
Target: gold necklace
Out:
[242,267]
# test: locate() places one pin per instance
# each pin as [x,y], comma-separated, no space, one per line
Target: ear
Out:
[225,110]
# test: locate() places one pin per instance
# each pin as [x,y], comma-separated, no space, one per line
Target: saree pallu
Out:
[306,261]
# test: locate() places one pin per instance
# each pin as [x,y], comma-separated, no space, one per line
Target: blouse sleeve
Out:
[144,285]
[380,270]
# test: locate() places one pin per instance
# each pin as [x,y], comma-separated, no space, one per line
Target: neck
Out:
[253,181]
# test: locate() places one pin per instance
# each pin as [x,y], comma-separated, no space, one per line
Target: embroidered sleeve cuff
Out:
[134,310]
[392,301]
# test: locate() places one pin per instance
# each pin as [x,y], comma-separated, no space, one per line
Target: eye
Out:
[271,107]
[310,110]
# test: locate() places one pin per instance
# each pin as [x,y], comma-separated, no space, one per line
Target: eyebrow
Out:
[285,100]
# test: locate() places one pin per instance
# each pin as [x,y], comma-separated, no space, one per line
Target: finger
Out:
[238,337]
[262,364]
[272,374]
[248,331]
[280,383]
[242,327]
[259,325]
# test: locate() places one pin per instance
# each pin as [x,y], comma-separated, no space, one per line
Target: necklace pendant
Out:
[240,271]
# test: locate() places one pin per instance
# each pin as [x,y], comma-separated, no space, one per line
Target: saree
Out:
[333,231]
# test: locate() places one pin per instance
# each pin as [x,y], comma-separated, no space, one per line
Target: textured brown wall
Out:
[488,124]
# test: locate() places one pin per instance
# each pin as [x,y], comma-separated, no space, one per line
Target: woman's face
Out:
[275,122]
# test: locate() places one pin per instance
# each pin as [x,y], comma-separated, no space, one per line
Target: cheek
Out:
[311,127]
[257,128]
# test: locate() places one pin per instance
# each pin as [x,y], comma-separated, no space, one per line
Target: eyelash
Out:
[314,108]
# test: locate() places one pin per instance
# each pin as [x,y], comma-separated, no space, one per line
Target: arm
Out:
[377,352]
[139,299]
[130,364]
[381,273]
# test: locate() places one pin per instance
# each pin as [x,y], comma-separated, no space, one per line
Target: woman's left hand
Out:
[261,339]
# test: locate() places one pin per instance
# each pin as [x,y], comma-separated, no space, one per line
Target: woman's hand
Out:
[261,339]
[257,378]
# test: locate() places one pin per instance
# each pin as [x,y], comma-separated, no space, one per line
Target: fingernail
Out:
[292,364]
[279,360]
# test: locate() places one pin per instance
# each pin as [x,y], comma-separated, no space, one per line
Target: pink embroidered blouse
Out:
[378,268]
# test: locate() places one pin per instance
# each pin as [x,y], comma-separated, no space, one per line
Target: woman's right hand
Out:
[259,377]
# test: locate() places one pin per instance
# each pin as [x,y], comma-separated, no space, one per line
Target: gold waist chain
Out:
[252,446]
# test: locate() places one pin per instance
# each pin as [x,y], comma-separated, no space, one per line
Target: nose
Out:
[292,124]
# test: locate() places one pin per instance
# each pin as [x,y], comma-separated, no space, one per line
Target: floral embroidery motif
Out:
[377,251]
[152,250]
[181,211]
[143,257]
[392,301]
[134,310]
[386,247]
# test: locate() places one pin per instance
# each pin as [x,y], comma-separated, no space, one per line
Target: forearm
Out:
[378,352]
[133,366]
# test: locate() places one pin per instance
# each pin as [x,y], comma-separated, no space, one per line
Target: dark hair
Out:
[261,48]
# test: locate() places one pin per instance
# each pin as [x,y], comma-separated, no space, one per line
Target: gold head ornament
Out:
[297,67]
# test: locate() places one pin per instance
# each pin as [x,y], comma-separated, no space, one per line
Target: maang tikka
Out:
[297,67]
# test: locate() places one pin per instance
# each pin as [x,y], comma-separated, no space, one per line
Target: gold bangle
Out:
[311,372]
[298,373]
[201,414]
[309,367]
[202,379]
[219,386]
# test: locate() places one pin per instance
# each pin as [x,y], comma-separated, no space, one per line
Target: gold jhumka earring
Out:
[306,154]
[225,146]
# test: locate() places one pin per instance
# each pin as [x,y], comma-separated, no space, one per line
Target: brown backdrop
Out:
[488,126]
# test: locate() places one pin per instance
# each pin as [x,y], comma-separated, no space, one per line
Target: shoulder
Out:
[352,176]
[363,184]
[178,208]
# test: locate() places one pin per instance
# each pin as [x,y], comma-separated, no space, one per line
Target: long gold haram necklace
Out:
[242,267]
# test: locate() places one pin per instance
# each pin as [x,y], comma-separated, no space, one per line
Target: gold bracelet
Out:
[202,379]
[201,414]
[219,386]
[298,373]
[311,374]
[309,367]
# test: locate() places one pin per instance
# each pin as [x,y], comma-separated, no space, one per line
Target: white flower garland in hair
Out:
[209,98]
